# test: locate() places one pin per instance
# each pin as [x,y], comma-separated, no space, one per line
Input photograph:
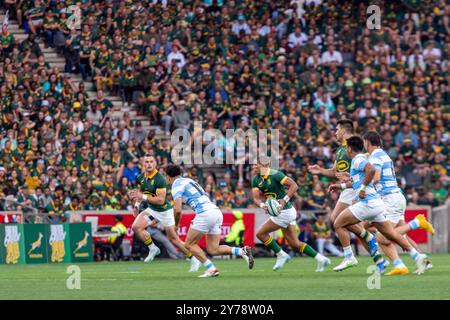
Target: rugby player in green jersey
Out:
[151,207]
[275,184]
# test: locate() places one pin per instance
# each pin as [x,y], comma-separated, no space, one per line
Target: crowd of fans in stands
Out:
[297,66]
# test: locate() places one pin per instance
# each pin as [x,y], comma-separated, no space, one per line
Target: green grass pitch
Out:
[169,279]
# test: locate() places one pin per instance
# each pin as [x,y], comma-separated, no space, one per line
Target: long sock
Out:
[377,258]
[208,264]
[272,244]
[414,224]
[348,253]
[414,253]
[366,236]
[308,250]
[398,263]
[238,252]
[149,243]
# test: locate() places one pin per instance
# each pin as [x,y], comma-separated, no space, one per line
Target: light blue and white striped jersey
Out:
[388,183]
[357,174]
[192,194]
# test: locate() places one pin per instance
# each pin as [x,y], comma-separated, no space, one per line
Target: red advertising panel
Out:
[420,236]
[11,217]
[186,218]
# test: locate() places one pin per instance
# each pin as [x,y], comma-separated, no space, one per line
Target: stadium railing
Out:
[28,214]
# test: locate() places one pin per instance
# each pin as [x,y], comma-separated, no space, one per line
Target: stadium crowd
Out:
[297,66]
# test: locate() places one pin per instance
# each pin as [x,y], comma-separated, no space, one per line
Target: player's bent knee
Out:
[383,241]
[213,251]
[337,224]
[136,227]
[262,236]
[390,236]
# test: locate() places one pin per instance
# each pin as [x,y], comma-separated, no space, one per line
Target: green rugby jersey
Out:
[271,184]
[343,162]
[149,184]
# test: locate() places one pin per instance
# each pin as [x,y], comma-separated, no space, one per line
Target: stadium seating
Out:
[149,67]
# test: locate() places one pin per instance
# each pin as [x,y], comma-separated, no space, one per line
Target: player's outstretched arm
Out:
[339,186]
[343,176]
[316,169]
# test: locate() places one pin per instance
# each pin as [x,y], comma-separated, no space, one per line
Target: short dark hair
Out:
[347,124]
[373,137]
[173,170]
[356,144]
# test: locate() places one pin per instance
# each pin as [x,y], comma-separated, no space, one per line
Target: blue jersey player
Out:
[393,198]
[208,220]
[368,207]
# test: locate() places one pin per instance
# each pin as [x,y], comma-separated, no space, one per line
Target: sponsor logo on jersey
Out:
[343,165]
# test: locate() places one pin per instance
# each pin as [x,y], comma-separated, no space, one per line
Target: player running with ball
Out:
[275,185]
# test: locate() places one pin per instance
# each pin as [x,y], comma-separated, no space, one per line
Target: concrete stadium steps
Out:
[56,60]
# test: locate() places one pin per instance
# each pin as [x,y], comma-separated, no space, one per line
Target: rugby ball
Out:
[273,207]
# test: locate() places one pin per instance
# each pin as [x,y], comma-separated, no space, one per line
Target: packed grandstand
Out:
[298,66]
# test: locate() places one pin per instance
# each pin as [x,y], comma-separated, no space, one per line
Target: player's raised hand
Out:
[314,169]
[334,187]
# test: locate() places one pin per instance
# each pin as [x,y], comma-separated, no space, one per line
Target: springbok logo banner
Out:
[11,237]
[36,243]
[58,244]
[81,249]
